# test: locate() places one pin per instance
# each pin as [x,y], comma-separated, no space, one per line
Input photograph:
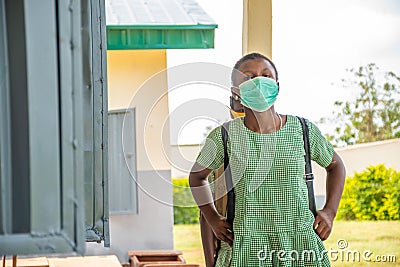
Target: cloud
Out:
[385,7]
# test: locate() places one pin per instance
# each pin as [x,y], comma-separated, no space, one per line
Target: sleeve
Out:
[211,155]
[321,150]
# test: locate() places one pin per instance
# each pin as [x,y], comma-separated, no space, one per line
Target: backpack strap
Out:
[230,206]
[309,176]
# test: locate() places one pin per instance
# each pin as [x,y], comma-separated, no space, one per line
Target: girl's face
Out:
[250,69]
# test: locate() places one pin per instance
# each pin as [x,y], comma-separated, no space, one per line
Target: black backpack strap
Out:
[230,206]
[309,176]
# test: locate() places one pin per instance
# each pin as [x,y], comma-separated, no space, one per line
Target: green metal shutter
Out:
[122,162]
[41,120]
[47,158]
[95,129]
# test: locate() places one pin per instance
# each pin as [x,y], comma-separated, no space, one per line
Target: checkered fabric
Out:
[272,225]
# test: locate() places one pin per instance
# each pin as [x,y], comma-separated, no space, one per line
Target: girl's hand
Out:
[323,223]
[222,229]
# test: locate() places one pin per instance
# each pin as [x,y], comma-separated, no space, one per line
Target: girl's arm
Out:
[203,197]
[336,174]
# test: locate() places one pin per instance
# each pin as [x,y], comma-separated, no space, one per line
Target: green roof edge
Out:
[132,37]
[163,26]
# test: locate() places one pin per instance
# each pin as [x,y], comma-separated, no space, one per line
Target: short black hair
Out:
[249,57]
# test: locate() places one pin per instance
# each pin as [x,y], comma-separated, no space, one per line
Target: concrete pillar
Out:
[257,27]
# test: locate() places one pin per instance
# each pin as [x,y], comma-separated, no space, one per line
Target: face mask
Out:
[258,94]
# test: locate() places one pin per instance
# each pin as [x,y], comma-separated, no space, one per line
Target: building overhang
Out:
[121,37]
[156,24]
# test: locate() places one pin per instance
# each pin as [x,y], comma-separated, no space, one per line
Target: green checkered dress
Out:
[272,225]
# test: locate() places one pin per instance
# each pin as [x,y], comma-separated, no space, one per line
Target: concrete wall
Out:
[183,156]
[136,79]
[356,158]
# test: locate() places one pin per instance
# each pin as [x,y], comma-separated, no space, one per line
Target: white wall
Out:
[357,158]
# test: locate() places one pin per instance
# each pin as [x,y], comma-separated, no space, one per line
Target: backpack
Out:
[224,200]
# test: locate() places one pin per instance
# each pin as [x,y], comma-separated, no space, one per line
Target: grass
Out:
[381,238]
[187,239]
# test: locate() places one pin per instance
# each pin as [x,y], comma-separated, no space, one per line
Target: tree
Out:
[375,112]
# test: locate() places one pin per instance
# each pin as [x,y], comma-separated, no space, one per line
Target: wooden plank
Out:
[171,264]
[88,261]
[160,263]
[28,262]
[141,258]
[154,252]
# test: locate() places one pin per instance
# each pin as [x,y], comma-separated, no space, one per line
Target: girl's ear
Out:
[278,86]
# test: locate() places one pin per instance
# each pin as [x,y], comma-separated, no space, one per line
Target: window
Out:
[122,153]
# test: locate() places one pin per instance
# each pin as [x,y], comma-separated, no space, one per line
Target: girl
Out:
[273,225]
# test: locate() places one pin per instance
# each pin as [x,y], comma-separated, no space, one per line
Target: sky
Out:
[313,43]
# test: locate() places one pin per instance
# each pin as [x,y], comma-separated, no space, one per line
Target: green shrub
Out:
[185,208]
[373,194]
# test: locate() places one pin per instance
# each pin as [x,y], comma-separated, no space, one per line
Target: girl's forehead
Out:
[255,64]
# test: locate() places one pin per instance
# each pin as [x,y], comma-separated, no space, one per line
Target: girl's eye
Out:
[251,77]
[254,76]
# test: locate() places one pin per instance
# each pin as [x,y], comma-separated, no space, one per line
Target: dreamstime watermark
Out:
[344,254]
[340,254]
